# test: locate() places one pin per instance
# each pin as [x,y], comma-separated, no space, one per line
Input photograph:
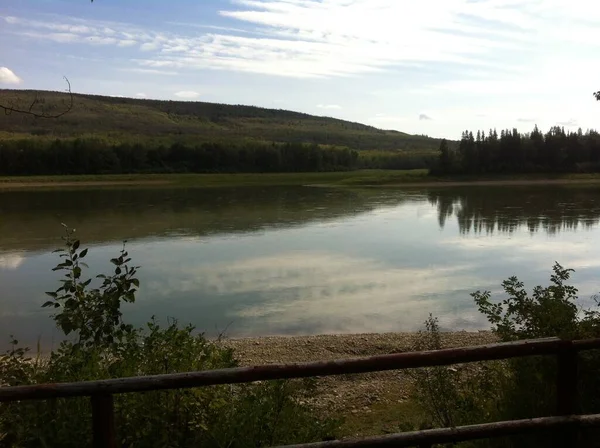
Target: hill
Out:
[141,120]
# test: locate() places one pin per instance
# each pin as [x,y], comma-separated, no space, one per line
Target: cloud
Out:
[570,122]
[11,261]
[7,76]
[151,71]
[187,94]
[525,120]
[328,106]
[127,43]
[480,46]
[298,39]
[424,117]
[149,46]
[141,95]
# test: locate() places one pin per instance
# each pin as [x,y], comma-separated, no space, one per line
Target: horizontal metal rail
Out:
[461,433]
[546,346]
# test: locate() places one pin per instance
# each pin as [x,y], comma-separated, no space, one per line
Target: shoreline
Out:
[371,403]
[348,179]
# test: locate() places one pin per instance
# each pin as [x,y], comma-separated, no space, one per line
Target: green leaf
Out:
[136,282]
[115,261]
[76,245]
[83,253]
[48,303]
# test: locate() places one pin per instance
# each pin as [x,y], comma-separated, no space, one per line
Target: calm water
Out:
[259,261]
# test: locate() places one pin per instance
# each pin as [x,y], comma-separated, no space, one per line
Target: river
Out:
[299,260]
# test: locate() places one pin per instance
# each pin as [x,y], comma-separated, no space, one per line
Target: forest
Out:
[556,151]
[88,156]
[93,156]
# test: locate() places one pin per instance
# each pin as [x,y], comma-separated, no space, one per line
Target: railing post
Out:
[566,391]
[103,421]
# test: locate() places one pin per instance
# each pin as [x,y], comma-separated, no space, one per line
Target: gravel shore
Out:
[347,393]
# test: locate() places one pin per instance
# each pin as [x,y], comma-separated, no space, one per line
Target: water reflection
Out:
[505,210]
[299,260]
[30,220]
[304,291]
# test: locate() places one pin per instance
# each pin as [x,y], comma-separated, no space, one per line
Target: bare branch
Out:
[10,108]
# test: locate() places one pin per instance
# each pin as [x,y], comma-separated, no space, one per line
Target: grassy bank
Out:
[365,178]
[362,177]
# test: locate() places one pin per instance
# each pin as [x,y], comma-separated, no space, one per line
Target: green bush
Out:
[454,395]
[103,346]
[517,388]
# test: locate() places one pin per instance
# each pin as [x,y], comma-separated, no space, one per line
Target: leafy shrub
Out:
[454,395]
[522,387]
[104,346]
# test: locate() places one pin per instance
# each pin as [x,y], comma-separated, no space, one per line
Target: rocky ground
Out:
[354,395]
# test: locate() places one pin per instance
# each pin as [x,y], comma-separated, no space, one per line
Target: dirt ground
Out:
[355,395]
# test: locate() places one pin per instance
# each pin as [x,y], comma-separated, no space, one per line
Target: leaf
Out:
[52,294]
[136,282]
[115,261]
[76,245]
[48,303]
[83,253]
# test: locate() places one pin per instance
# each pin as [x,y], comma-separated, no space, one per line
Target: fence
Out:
[101,392]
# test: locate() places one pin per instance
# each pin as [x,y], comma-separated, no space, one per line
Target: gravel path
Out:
[347,393]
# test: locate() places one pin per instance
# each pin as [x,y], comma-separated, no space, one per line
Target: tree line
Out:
[556,151]
[87,156]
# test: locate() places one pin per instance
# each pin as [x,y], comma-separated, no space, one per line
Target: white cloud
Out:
[329,106]
[150,71]
[141,95]
[11,261]
[7,76]
[149,46]
[187,94]
[127,43]
[298,38]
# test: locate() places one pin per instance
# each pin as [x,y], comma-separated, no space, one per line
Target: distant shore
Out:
[360,178]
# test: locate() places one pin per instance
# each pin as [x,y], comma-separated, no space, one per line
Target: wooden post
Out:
[566,392]
[103,421]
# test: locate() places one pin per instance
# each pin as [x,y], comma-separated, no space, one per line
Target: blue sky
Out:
[432,67]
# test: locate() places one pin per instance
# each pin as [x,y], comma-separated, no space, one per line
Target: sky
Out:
[434,67]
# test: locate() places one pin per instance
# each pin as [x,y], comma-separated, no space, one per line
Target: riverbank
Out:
[360,178]
[371,403]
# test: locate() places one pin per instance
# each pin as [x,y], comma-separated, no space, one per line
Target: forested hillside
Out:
[129,120]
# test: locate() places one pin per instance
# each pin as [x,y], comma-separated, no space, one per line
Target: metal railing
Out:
[101,392]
